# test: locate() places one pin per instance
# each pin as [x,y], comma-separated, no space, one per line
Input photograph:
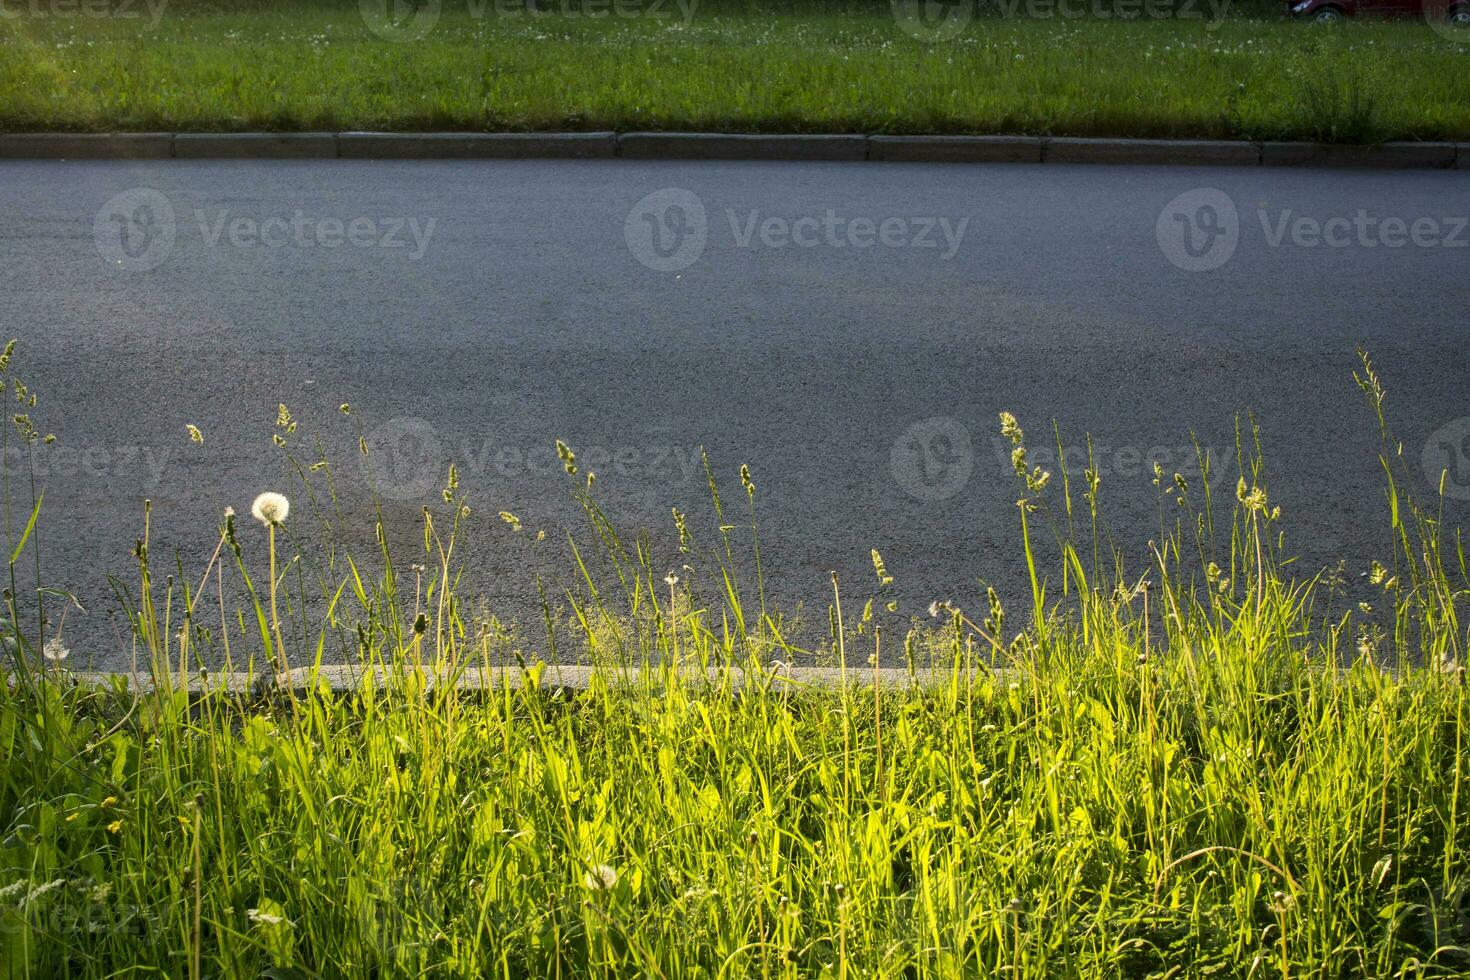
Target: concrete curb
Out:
[86,146]
[724,146]
[477,146]
[956,149]
[271,146]
[1395,156]
[1194,152]
[740,146]
[348,678]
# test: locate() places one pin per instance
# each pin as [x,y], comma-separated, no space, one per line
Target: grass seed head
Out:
[1010,428]
[883,577]
[568,458]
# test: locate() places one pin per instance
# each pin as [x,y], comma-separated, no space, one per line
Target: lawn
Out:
[1200,763]
[720,65]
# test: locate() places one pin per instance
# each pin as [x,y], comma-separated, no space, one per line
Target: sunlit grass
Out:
[752,67]
[1191,763]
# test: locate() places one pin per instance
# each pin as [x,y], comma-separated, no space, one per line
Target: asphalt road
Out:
[849,330]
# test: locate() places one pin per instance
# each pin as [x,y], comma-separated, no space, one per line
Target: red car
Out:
[1455,12]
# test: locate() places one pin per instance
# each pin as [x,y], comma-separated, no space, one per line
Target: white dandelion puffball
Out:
[271,508]
[54,652]
[601,878]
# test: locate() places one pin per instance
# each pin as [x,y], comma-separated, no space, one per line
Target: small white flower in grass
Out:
[601,878]
[54,652]
[271,508]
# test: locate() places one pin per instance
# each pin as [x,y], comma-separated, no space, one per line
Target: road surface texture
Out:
[849,330]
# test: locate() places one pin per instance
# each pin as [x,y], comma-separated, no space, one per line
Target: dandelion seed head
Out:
[601,878]
[940,606]
[270,508]
[54,652]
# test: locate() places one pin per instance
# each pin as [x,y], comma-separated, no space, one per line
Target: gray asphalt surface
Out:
[858,368]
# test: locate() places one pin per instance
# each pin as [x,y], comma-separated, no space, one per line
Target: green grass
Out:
[1197,764]
[733,67]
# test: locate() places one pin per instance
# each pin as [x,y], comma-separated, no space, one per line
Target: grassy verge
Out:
[746,67]
[1197,765]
